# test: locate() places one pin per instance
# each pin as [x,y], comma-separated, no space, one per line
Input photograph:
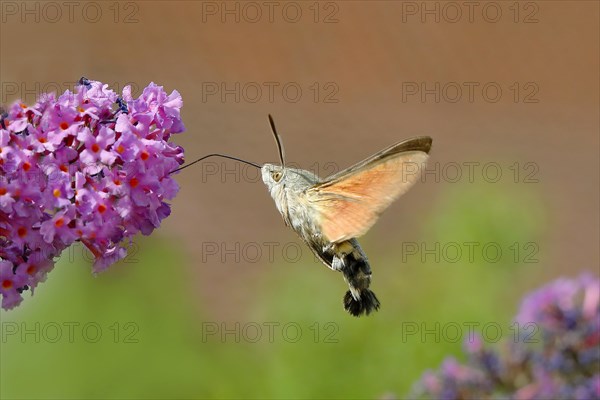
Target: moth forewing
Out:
[420,144]
[350,202]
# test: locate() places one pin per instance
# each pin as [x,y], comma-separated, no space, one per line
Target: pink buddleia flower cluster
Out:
[88,166]
[561,362]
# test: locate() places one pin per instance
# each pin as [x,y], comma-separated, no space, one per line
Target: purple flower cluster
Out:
[88,166]
[563,363]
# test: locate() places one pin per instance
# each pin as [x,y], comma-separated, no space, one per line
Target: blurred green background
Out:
[163,313]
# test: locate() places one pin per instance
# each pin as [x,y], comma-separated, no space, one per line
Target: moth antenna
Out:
[216,155]
[278,140]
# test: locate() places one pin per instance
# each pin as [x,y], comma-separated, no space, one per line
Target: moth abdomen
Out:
[348,258]
[353,263]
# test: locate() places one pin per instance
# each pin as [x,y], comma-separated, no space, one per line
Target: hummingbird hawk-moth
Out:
[330,213]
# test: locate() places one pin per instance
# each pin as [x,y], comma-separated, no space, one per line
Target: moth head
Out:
[272,175]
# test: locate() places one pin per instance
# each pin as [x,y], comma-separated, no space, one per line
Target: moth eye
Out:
[276,176]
